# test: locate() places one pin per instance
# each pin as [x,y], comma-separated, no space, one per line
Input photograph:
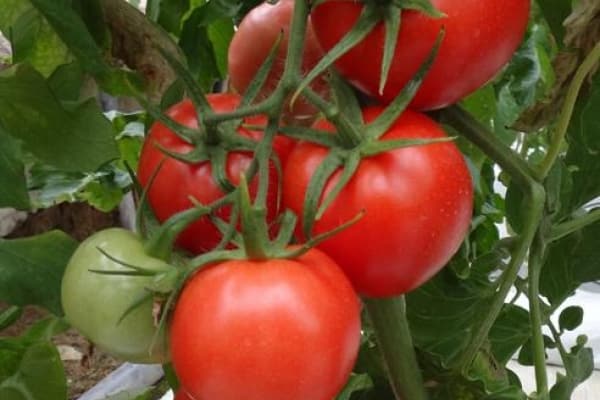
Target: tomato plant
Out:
[175,182]
[94,303]
[296,322]
[417,202]
[254,39]
[481,36]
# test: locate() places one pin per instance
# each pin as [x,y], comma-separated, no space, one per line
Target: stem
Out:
[536,256]
[567,112]
[393,335]
[535,198]
[293,61]
[474,131]
[574,225]
[535,194]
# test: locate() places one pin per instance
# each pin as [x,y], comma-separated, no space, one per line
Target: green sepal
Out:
[315,188]
[424,6]
[392,20]
[160,243]
[310,135]
[367,20]
[350,166]
[381,146]
[259,79]
[391,113]
[218,163]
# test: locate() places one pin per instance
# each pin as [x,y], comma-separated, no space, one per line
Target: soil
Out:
[84,365]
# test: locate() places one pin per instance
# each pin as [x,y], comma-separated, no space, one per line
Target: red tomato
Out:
[252,43]
[481,36]
[176,181]
[182,395]
[418,203]
[266,330]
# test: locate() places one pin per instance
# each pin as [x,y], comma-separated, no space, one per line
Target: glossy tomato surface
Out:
[181,394]
[254,39]
[266,330]
[94,303]
[176,181]
[481,37]
[418,204]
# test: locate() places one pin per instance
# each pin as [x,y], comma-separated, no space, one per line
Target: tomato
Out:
[266,330]
[252,43]
[94,303]
[481,36]
[176,180]
[418,204]
[182,395]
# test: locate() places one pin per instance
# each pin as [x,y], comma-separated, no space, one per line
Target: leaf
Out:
[66,81]
[571,261]
[584,147]
[510,331]
[31,269]
[580,365]
[356,383]
[570,318]
[9,316]
[39,376]
[33,40]
[81,139]
[555,12]
[71,29]
[171,14]
[12,174]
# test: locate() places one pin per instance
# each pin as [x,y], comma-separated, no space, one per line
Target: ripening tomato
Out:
[252,43]
[176,180]
[266,330]
[181,394]
[481,36]
[417,202]
[94,303]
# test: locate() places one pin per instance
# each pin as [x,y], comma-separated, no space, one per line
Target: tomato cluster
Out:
[290,326]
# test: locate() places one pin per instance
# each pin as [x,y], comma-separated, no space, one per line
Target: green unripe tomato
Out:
[94,303]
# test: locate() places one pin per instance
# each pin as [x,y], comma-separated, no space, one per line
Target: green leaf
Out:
[12,174]
[81,139]
[31,269]
[205,38]
[571,261]
[580,364]
[66,81]
[71,29]
[555,12]
[584,147]
[570,318]
[171,14]
[510,331]
[11,10]
[34,41]
[356,383]
[39,376]
[9,316]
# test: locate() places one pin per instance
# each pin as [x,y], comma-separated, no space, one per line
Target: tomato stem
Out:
[393,335]
[535,264]
[566,228]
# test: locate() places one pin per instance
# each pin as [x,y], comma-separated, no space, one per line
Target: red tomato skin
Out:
[266,330]
[252,43]
[417,201]
[176,180]
[481,37]
[182,395]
